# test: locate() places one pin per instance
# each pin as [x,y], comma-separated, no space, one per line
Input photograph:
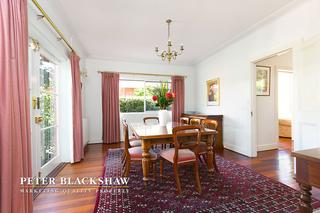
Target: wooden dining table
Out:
[151,135]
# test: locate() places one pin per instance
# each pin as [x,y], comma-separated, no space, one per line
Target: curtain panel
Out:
[110,108]
[78,149]
[177,84]
[15,133]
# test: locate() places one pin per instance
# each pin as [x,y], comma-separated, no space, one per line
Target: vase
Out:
[163,117]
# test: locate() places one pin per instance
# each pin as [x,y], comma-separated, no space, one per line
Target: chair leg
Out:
[124,162]
[200,159]
[197,179]
[215,164]
[176,174]
[204,157]
[123,159]
[161,168]
[127,170]
[154,169]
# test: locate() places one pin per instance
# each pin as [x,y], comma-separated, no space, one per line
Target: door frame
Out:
[254,110]
[44,170]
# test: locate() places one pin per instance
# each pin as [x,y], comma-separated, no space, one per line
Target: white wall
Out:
[93,89]
[233,65]
[267,106]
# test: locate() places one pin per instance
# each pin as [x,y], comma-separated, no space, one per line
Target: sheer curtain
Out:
[110,107]
[177,83]
[15,139]
[78,152]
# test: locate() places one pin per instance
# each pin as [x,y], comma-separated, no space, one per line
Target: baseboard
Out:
[267,147]
[93,141]
[53,173]
[236,149]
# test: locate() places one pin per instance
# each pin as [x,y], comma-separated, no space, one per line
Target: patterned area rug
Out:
[235,189]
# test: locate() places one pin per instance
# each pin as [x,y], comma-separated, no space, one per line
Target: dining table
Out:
[154,134]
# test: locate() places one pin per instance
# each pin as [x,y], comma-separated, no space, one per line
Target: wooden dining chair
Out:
[133,140]
[179,156]
[134,154]
[146,119]
[195,121]
[184,120]
[202,150]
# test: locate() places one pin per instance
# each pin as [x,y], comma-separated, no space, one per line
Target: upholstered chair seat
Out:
[136,153]
[135,142]
[184,155]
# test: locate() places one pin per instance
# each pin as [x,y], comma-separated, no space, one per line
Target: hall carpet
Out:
[235,189]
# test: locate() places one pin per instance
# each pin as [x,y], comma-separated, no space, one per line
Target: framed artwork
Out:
[263,75]
[213,92]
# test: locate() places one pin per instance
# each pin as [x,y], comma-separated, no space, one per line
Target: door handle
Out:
[38,119]
[35,102]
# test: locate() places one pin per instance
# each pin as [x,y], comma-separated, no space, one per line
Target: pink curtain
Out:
[177,83]
[78,150]
[15,139]
[110,108]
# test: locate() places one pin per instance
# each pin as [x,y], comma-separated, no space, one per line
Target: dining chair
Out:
[195,121]
[184,120]
[133,140]
[179,156]
[134,154]
[202,150]
[146,119]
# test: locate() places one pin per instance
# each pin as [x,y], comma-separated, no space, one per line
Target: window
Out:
[136,95]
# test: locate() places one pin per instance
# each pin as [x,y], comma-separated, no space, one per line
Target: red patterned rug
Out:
[235,189]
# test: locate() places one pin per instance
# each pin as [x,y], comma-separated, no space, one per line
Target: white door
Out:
[306,118]
[44,126]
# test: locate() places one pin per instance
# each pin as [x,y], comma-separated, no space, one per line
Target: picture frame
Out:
[263,80]
[213,92]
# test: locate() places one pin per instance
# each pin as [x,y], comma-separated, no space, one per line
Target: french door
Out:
[44,101]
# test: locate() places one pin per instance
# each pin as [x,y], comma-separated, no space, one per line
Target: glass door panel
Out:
[48,110]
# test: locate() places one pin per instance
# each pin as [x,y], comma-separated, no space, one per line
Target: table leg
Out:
[305,198]
[145,159]
[210,153]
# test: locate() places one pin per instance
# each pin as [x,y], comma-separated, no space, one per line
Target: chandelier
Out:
[169,54]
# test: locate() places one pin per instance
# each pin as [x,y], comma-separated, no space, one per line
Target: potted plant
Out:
[163,98]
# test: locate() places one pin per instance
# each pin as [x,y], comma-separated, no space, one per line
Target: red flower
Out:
[169,95]
[154,98]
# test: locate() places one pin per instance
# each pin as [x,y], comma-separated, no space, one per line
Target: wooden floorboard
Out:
[276,164]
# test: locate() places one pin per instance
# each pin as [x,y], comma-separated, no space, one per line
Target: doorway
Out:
[274,92]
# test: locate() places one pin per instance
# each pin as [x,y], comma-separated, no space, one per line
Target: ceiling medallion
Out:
[169,54]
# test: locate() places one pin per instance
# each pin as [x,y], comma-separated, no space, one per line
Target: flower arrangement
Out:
[163,96]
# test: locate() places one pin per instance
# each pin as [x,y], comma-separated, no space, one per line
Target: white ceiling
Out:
[130,29]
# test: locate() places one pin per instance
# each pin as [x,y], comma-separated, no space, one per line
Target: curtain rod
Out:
[138,73]
[45,15]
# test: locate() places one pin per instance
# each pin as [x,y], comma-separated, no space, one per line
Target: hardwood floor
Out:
[91,166]
[276,164]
